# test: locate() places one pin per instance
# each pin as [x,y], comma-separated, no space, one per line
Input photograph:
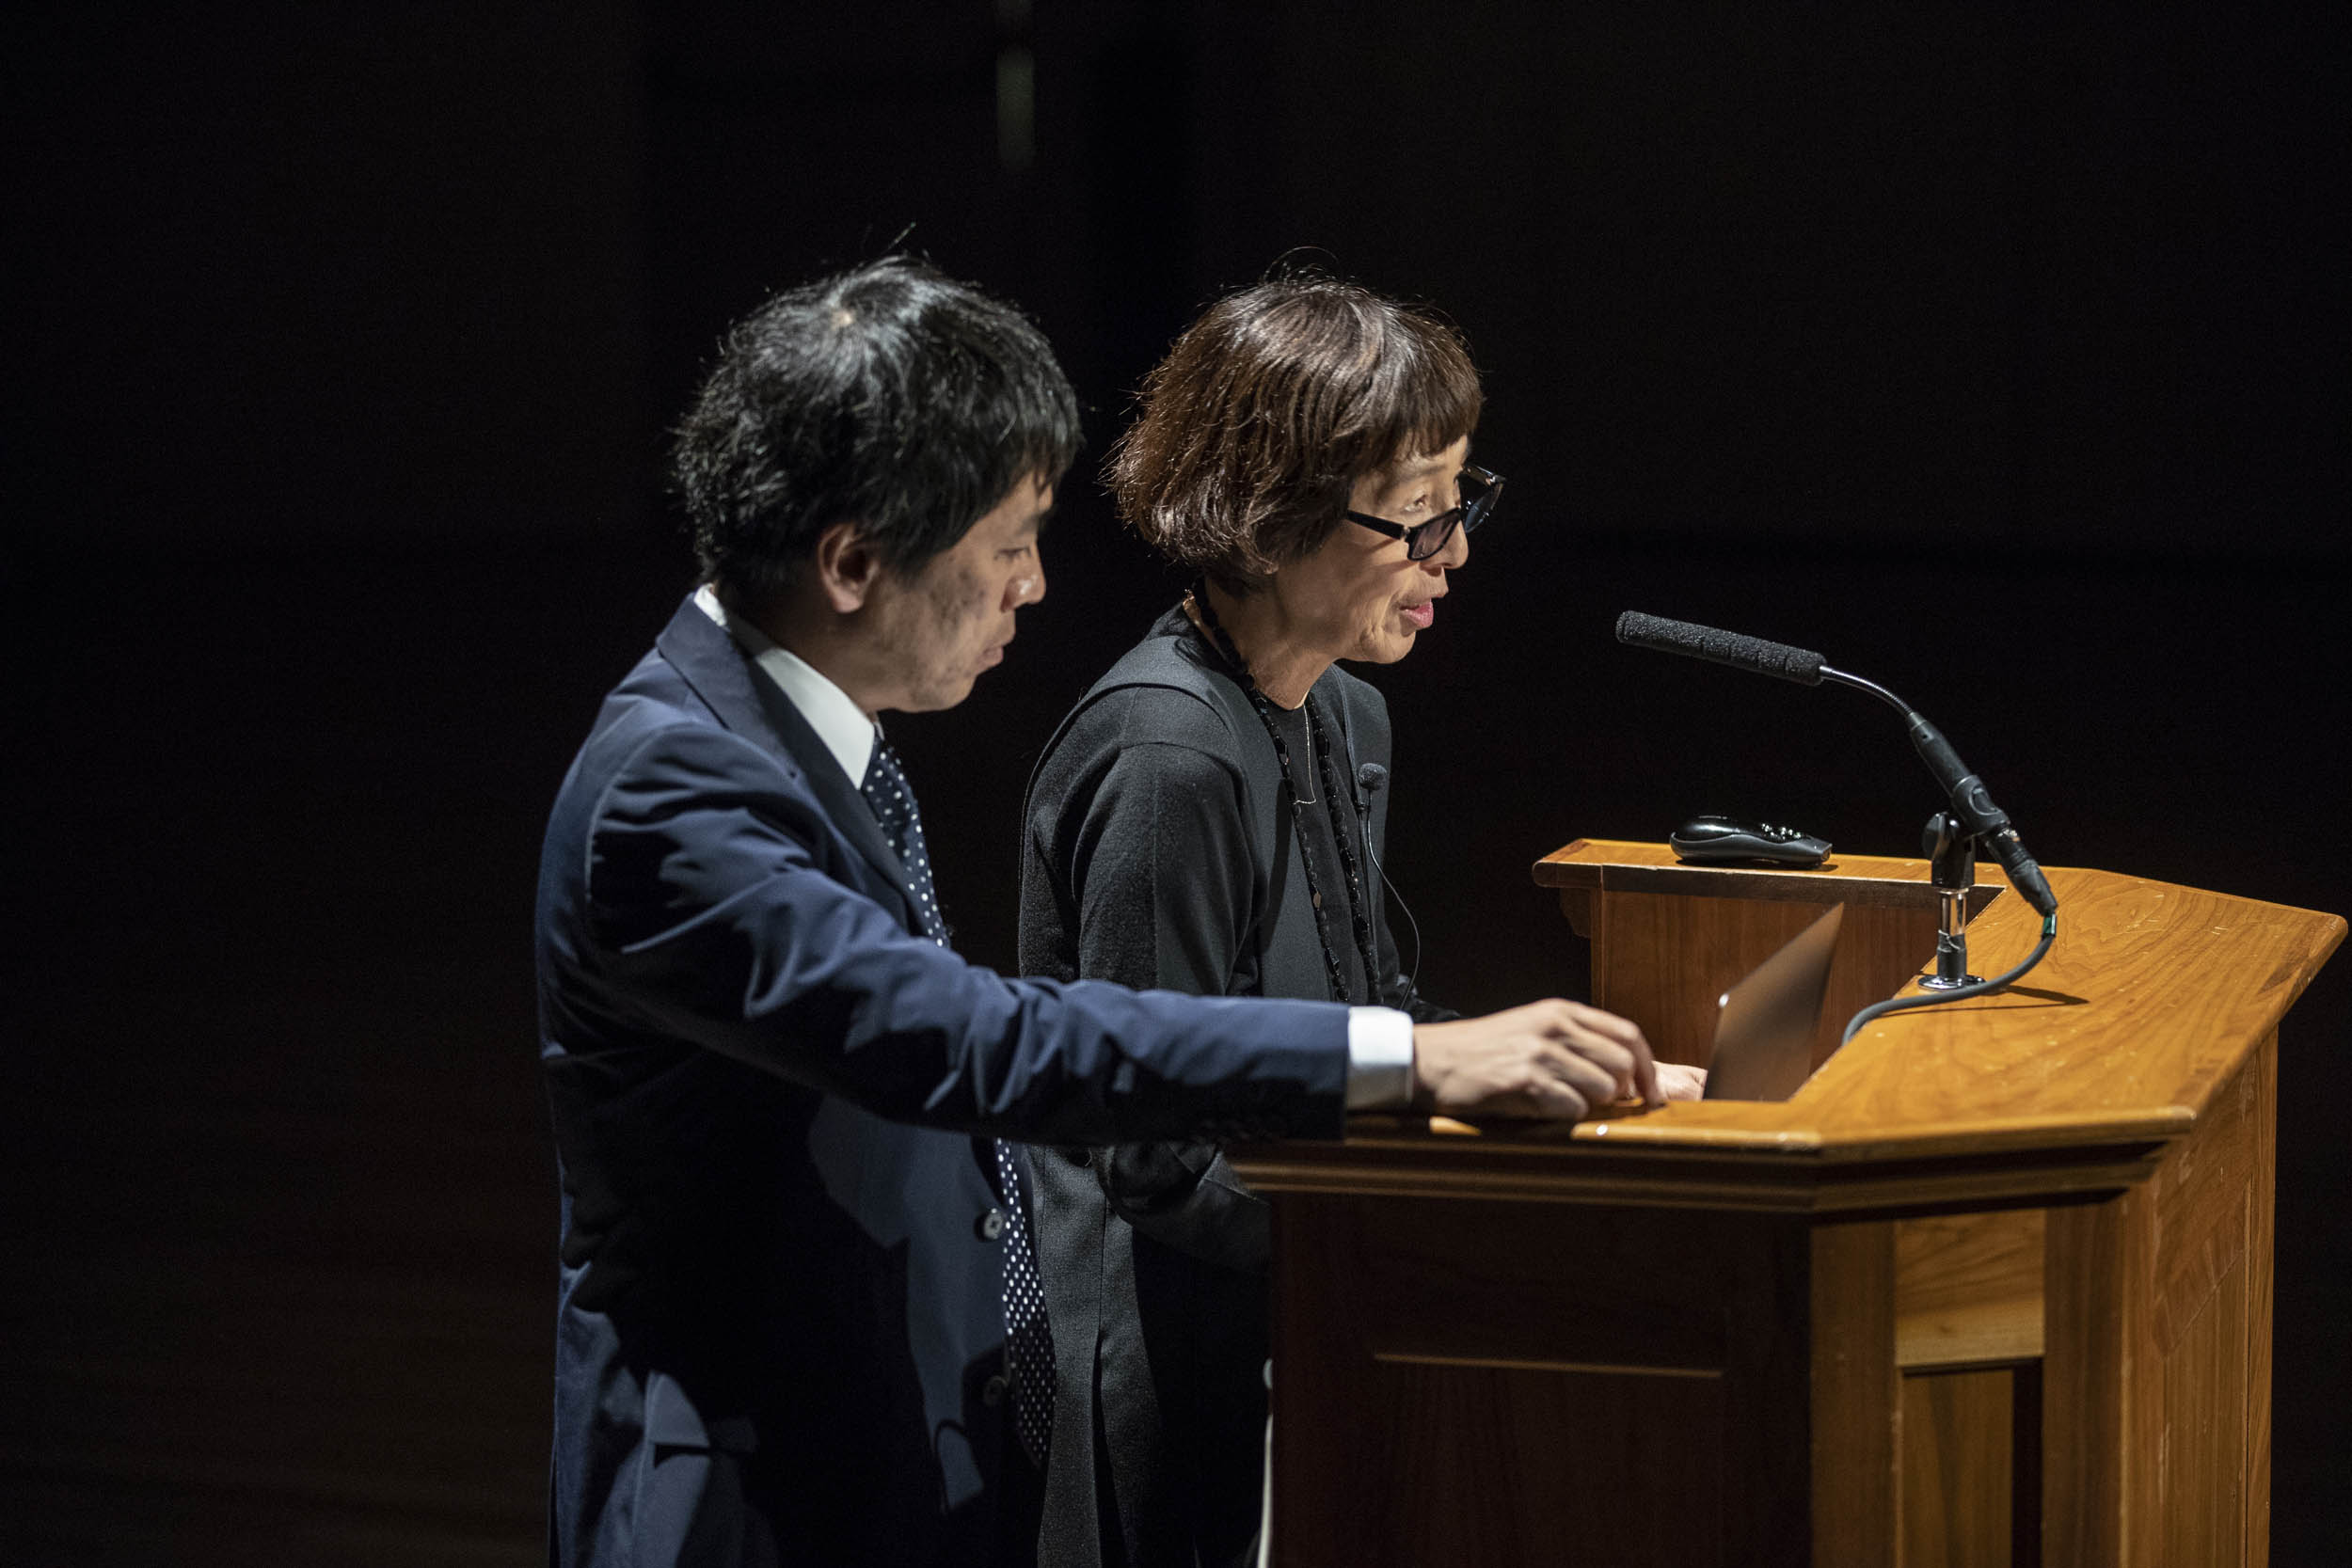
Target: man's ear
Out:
[845,566]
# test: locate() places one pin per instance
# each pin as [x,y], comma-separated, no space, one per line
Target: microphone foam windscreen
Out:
[1779,659]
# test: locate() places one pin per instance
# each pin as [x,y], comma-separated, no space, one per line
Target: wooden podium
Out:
[1994,1286]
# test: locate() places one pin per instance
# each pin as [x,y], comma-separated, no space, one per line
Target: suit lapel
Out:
[750,705]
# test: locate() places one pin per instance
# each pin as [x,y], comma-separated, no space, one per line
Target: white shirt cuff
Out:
[1379,1059]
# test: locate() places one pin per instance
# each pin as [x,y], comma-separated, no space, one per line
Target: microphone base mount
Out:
[1951,852]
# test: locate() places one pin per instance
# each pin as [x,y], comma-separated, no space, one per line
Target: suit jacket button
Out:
[993,1391]
[990,1224]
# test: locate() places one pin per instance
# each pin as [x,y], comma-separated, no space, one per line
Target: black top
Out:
[1151,826]
[1161,849]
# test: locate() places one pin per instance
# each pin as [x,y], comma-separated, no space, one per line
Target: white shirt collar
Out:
[846,731]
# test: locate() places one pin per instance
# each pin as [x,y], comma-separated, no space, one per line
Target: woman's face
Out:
[1357,597]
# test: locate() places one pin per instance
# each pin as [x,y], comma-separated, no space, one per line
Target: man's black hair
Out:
[891,397]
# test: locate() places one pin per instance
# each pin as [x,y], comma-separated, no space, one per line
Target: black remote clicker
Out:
[1714,840]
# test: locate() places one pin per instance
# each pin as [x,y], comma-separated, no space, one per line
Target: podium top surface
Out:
[1616,866]
[2146,1002]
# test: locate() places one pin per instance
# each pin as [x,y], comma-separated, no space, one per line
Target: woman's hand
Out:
[1679,1082]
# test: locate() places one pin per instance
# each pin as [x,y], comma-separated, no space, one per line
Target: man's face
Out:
[943,623]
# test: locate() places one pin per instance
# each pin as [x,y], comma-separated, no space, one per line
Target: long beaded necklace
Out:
[1320,735]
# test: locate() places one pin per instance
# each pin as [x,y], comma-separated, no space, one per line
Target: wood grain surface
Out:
[1854,1428]
[1492,1384]
[1969,1478]
[2151,996]
[1968,1287]
[2000,1271]
[1664,961]
[2157,1350]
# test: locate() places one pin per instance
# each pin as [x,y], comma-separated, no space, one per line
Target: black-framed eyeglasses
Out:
[1481,489]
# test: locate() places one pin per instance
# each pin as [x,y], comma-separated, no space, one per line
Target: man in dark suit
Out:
[798,1318]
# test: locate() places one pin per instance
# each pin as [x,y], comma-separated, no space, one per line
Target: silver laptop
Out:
[1764,1030]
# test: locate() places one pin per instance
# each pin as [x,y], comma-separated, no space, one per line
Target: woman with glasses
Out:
[1209,819]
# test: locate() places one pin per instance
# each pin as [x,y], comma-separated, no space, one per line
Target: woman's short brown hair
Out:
[1269,408]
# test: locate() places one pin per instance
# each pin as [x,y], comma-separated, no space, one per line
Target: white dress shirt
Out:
[847,731]
[1379,1039]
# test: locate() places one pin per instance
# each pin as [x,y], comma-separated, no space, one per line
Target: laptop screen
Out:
[1764,1031]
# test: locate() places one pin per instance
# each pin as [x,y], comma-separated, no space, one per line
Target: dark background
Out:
[1993,350]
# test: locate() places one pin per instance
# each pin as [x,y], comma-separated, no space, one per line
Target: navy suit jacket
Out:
[780,1335]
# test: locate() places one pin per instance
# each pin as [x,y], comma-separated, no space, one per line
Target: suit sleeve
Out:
[708,914]
[1164,897]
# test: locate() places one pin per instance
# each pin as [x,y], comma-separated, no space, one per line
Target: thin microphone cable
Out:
[1372,787]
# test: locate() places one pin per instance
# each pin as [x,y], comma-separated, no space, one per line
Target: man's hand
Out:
[1546,1059]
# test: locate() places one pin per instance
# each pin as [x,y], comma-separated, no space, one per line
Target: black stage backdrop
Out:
[1991,350]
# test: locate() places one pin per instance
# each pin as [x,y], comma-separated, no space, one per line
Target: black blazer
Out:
[1153,1255]
[780,1330]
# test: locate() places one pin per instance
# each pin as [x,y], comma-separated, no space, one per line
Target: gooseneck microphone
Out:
[1800,665]
[1971,802]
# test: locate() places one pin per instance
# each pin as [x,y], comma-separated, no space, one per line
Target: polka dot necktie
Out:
[885,791]
[1026,1332]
